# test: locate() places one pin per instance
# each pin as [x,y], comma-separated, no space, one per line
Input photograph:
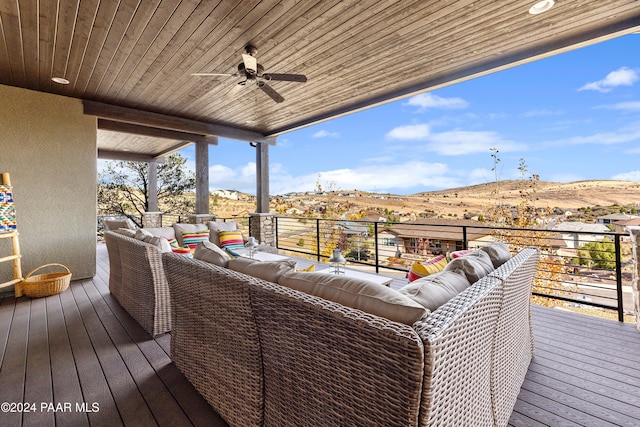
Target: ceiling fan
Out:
[254,73]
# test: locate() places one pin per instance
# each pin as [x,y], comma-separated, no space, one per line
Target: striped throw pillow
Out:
[422,269]
[183,251]
[190,239]
[231,240]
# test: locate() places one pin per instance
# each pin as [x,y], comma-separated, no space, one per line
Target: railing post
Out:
[375,245]
[318,238]
[465,243]
[275,222]
[619,279]
[635,284]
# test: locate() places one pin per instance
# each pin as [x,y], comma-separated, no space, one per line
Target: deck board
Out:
[81,346]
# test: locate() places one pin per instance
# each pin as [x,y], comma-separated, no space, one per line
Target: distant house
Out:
[434,236]
[572,235]
[611,218]
[621,226]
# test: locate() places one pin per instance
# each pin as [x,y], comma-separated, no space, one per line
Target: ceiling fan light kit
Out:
[252,71]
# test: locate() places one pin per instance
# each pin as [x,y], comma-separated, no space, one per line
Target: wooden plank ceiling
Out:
[355,54]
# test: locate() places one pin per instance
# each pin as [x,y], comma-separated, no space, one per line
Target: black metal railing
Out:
[578,269]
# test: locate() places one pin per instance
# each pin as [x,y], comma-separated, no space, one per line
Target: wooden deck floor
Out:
[79,359]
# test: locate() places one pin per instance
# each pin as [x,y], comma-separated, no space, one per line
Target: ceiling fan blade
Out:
[235,90]
[286,77]
[213,74]
[271,92]
[250,63]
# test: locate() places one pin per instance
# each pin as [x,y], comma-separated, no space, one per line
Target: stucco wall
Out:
[49,148]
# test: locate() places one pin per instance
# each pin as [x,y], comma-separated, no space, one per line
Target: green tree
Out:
[598,254]
[123,188]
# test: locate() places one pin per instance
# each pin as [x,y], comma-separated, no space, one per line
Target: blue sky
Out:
[571,117]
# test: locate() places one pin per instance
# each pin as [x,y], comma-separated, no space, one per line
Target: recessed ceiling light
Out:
[541,7]
[60,80]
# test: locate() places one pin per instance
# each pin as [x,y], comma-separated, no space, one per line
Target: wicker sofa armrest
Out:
[514,343]
[143,289]
[215,340]
[458,341]
[329,365]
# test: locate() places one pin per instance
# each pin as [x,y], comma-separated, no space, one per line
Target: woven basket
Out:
[44,285]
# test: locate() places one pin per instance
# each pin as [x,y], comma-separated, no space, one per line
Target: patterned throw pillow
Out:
[172,242]
[183,251]
[231,240]
[190,239]
[422,269]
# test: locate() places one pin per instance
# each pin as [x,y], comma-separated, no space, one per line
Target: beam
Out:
[163,121]
[127,157]
[151,131]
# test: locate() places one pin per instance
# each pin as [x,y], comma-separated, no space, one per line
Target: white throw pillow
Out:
[215,227]
[357,293]
[436,289]
[475,265]
[498,252]
[208,252]
[270,271]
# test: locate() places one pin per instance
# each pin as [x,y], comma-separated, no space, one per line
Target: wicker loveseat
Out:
[263,354]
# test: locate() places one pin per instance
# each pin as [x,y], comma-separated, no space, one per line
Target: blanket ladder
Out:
[8,231]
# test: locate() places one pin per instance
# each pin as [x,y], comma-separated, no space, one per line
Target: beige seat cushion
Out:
[208,252]
[474,266]
[436,289]
[216,226]
[357,293]
[498,253]
[270,271]
[179,228]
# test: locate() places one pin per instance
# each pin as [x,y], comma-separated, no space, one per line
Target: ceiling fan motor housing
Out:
[249,74]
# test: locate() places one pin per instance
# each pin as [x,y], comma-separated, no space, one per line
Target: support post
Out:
[153,186]
[202,177]
[262,177]
[635,283]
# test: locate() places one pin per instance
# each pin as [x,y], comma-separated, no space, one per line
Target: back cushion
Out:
[357,293]
[270,271]
[208,252]
[498,253]
[474,266]
[435,290]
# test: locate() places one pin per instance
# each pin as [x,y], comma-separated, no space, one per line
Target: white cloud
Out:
[603,138]
[631,106]
[543,112]
[324,134]
[373,178]
[458,142]
[628,176]
[409,132]
[428,100]
[622,77]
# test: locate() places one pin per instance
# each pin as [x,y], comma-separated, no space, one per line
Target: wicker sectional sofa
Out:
[264,354]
